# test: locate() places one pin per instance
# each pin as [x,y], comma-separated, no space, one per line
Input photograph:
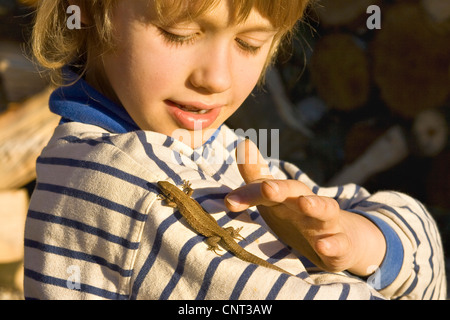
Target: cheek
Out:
[246,79]
[138,72]
[249,71]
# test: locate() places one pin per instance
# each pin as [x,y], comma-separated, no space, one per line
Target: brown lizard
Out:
[205,224]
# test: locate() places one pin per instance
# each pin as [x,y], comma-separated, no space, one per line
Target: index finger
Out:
[251,164]
[267,193]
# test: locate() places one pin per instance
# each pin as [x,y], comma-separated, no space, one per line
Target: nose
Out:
[212,72]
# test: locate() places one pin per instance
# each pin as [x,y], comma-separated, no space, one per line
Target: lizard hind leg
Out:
[213,244]
[234,233]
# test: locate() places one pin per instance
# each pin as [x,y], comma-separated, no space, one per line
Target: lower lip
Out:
[192,121]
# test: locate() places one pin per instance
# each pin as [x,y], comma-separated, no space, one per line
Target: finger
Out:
[284,191]
[320,208]
[268,193]
[245,197]
[261,188]
[251,164]
[333,246]
[333,251]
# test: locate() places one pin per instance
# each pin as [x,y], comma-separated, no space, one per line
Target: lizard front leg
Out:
[187,188]
[168,201]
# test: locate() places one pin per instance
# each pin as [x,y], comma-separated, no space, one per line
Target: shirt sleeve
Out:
[392,263]
[420,273]
[413,266]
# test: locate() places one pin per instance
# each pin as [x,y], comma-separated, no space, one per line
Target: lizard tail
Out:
[244,255]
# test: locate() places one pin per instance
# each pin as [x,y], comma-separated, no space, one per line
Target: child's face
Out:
[164,75]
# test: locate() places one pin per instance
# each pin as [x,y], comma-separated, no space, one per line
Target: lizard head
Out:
[164,186]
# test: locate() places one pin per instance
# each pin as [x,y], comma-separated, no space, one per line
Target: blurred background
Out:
[358,97]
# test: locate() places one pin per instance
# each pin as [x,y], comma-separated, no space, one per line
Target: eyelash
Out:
[247,47]
[181,40]
[176,39]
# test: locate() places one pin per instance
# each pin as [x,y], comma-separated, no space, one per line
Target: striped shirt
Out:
[96,228]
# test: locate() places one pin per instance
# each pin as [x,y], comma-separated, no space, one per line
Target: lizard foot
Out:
[168,202]
[187,188]
[234,233]
[215,249]
[213,244]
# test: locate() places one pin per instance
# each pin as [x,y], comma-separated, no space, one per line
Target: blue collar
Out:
[79,102]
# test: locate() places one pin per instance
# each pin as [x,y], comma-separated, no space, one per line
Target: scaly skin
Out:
[203,223]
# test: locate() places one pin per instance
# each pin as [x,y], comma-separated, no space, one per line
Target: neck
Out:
[96,77]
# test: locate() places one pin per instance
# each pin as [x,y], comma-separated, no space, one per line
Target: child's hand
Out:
[333,239]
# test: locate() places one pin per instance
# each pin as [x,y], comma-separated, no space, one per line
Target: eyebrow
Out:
[210,22]
[261,28]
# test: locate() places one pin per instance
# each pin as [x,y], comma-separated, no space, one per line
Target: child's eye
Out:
[187,39]
[176,38]
[248,48]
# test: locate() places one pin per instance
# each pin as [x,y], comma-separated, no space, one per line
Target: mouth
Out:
[192,109]
[193,115]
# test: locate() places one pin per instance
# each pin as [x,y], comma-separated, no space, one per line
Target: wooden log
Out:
[368,152]
[438,12]
[360,136]
[438,181]
[3,101]
[24,131]
[410,61]
[13,210]
[340,72]
[343,13]
[388,150]
[429,133]
[284,106]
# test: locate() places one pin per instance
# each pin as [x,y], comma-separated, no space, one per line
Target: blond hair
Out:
[55,45]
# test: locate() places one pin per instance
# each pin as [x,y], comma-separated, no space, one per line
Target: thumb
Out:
[251,164]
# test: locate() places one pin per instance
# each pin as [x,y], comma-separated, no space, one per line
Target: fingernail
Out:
[234,200]
[325,245]
[312,200]
[273,185]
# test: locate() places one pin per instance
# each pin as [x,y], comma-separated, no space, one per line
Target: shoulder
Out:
[88,208]
[87,150]
[85,168]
